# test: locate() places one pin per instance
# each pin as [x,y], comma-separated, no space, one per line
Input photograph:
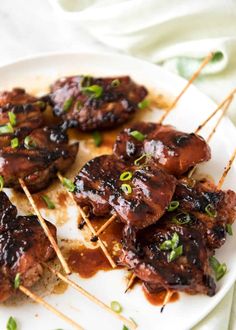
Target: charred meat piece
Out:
[138,195]
[174,151]
[23,247]
[205,207]
[26,111]
[38,158]
[147,254]
[96,103]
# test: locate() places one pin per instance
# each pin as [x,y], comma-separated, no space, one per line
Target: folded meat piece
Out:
[176,152]
[37,159]
[96,103]
[23,247]
[138,200]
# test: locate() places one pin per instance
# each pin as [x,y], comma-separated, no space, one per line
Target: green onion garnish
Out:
[97,138]
[211,211]
[229,229]
[125,176]
[174,254]
[219,269]
[115,83]
[29,143]
[68,184]
[126,188]
[173,206]
[143,104]
[125,327]
[11,324]
[1,183]
[79,105]
[17,281]
[116,307]
[12,118]
[94,91]
[67,104]
[6,129]
[48,202]
[176,251]
[138,160]
[181,218]
[15,142]
[40,104]
[137,135]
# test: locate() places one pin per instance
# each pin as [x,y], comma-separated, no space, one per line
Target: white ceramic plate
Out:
[35,74]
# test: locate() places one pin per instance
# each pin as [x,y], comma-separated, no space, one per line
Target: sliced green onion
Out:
[86,81]
[175,240]
[12,118]
[11,324]
[125,176]
[29,143]
[68,184]
[143,104]
[181,218]
[1,183]
[48,202]
[229,229]
[116,307]
[79,105]
[115,83]
[174,254]
[126,188]
[95,91]
[137,161]
[218,268]
[211,211]
[166,245]
[17,281]
[15,143]
[173,206]
[6,129]
[97,138]
[125,327]
[137,135]
[40,104]
[67,104]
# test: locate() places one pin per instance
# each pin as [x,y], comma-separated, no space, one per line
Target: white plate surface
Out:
[35,74]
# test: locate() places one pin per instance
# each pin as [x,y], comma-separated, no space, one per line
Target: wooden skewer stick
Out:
[226,107]
[39,300]
[168,296]
[130,282]
[194,76]
[104,226]
[216,110]
[92,298]
[90,226]
[226,171]
[45,227]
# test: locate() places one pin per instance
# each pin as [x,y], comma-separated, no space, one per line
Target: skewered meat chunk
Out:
[38,158]
[96,103]
[188,271]
[23,247]
[174,151]
[99,185]
[27,111]
[207,208]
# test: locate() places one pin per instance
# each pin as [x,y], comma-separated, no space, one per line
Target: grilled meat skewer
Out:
[26,112]
[176,152]
[23,247]
[95,103]
[147,254]
[139,196]
[37,159]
